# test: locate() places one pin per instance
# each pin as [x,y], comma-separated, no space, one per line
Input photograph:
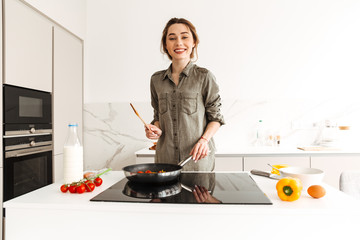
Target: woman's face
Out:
[179,42]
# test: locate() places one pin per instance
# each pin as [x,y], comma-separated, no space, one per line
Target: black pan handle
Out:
[183,162]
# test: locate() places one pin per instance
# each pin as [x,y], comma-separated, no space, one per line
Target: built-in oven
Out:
[27,164]
[27,140]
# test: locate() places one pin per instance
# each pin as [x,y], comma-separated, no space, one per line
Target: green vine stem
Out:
[99,174]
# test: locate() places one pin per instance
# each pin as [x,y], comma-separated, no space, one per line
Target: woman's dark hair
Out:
[193,32]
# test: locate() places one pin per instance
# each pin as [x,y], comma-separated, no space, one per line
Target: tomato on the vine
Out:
[88,183]
[64,188]
[89,186]
[80,188]
[98,181]
[72,188]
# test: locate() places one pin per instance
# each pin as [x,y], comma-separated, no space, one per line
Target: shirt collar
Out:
[186,70]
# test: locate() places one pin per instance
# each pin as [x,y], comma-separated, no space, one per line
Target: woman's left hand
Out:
[200,150]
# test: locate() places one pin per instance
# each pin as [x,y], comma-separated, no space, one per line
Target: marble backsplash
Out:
[113,133]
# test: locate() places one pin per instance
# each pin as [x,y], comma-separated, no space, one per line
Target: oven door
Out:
[25,172]
[24,105]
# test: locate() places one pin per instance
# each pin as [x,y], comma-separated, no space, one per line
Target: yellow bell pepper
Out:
[289,189]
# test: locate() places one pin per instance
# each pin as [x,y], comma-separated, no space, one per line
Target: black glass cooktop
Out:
[218,188]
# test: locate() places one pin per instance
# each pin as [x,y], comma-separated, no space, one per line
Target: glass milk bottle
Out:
[260,134]
[73,156]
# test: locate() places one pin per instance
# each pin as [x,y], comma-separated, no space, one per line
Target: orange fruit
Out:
[316,191]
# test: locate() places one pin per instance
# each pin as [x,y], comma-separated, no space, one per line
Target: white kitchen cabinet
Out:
[68,86]
[333,166]
[229,164]
[27,47]
[147,159]
[221,163]
[261,163]
[58,168]
[332,163]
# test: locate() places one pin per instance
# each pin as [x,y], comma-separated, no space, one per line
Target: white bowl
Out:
[307,176]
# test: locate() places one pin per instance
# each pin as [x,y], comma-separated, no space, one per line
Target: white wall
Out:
[68,13]
[283,61]
[257,49]
[290,63]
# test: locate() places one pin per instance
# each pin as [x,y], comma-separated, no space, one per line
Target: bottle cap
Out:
[73,124]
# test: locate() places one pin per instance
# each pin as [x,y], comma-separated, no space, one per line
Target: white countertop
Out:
[264,151]
[51,197]
[58,210]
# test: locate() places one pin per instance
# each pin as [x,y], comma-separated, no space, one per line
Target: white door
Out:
[28,47]
[68,85]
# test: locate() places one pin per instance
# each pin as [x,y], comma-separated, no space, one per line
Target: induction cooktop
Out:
[223,188]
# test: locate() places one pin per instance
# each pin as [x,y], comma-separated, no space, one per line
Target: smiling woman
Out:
[186,31]
[186,102]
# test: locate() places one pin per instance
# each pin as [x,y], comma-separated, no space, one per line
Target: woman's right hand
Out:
[154,132]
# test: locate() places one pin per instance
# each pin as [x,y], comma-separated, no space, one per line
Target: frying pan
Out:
[172,172]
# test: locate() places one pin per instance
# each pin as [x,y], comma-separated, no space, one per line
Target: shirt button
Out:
[174,120]
[174,105]
[174,91]
[175,134]
[176,148]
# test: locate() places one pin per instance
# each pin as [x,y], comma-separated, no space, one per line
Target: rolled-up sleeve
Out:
[212,100]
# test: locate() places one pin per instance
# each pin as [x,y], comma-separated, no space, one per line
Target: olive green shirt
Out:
[183,112]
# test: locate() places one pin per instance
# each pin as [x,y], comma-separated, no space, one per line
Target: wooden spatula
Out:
[147,127]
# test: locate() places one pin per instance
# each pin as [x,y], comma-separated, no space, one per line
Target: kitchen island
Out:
[49,214]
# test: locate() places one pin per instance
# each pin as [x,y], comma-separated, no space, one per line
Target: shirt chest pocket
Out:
[163,103]
[189,102]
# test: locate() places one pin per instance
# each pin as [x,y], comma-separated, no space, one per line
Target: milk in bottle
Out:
[73,156]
